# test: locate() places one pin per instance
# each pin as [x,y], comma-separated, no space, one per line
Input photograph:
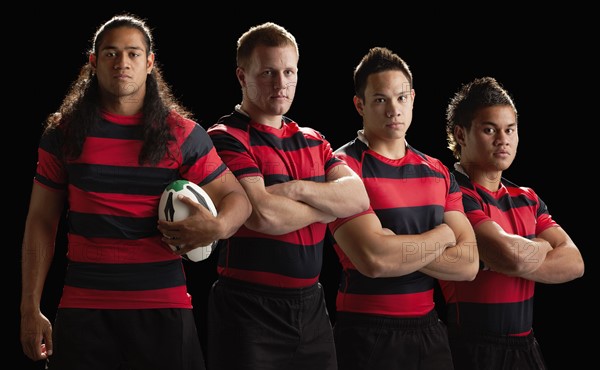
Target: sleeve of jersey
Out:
[544,219]
[234,153]
[330,160]
[50,171]
[200,161]
[473,208]
[354,165]
[454,201]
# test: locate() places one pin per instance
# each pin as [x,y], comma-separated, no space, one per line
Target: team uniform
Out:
[267,309]
[125,293]
[490,318]
[391,323]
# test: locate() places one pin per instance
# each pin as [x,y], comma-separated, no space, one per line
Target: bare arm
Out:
[275,214]
[378,252]
[509,254]
[343,194]
[461,261]
[563,263]
[202,228]
[45,210]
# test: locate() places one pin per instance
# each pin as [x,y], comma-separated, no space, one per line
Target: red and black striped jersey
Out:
[496,303]
[292,260]
[410,196]
[115,254]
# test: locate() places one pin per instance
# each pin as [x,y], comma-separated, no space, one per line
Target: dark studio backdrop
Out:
[544,64]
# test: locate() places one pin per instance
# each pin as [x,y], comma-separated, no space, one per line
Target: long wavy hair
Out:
[80,109]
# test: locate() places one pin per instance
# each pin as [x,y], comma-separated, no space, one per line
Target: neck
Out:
[259,116]
[490,180]
[393,148]
[122,105]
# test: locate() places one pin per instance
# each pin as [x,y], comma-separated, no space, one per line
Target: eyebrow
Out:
[490,123]
[126,48]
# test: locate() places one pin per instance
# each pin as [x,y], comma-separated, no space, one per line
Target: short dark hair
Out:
[480,93]
[378,59]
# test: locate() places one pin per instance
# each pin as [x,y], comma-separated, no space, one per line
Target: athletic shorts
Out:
[260,327]
[478,352]
[150,339]
[371,342]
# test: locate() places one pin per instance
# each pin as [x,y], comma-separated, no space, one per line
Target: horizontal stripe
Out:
[503,319]
[272,256]
[396,305]
[411,220]
[113,204]
[490,287]
[106,250]
[113,227]
[123,180]
[125,277]
[354,282]
[176,297]
[266,278]
[374,168]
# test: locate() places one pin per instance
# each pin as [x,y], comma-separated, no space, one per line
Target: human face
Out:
[387,106]
[269,83]
[490,145]
[122,65]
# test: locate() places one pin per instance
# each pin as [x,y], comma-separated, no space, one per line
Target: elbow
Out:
[578,269]
[374,268]
[262,223]
[470,273]
[372,271]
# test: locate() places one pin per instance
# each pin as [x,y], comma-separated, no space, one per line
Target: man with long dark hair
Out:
[118,139]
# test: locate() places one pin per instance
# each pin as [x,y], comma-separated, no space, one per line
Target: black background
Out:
[543,57]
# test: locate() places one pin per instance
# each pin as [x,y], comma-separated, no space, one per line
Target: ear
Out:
[241,76]
[459,135]
[149,63]
[358,104]
[92,60]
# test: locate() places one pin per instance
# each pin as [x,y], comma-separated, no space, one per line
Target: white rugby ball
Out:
[170,208]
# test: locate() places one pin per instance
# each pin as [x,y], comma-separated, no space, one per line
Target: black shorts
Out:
[152,339]
[474,351]
[259,327]
[370,342]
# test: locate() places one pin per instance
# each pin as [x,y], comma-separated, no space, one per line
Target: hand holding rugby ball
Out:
[170,208]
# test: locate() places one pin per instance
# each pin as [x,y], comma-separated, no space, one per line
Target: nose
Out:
[393,110]
[502,138]
[120,61]
[279,81]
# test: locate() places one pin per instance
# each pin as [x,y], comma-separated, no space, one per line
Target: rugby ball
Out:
[170,208]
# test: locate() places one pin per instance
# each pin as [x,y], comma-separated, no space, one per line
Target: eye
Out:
[380,100]
[489,130]
[403,98]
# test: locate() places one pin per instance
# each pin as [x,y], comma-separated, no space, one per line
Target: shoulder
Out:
[352,149]
[516,190]
[229,123]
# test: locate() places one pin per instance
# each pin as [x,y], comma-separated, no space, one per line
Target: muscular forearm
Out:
[379,252]
[235,210]
[340,197]
[457,263]
[277,215]
[562,264]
